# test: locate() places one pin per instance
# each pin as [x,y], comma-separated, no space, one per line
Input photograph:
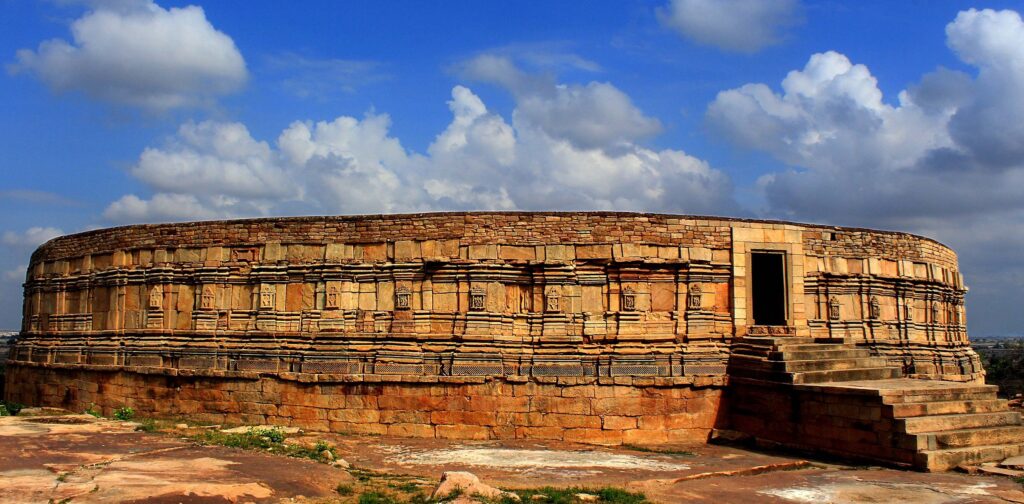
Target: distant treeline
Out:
[1004,366]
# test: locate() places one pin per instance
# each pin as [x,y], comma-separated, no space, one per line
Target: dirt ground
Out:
[60,457]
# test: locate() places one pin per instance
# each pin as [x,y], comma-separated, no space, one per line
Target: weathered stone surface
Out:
[466,483]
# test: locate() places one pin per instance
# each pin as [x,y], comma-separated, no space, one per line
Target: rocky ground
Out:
[55,456]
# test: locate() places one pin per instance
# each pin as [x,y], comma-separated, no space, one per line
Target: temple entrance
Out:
[768,278]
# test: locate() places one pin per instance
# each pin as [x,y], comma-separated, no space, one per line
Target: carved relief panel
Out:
[477,299]
[693,301]
[402,298]
[874,309]
[208,299]
[332,301]
[267,296]
[833,308]
[156,298]
[553,299]
[628,299]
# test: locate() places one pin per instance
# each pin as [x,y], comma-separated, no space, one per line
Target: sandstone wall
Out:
[576,410]
[509,298]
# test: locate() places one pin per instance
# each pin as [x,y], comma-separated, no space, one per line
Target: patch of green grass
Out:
[1019,480]
[406,487]
[365,475]
[344,489]
[648,449]
[147,425]
[268,439]
[124,414]
[376,498]
[62,477]
[550,495]
[420,498]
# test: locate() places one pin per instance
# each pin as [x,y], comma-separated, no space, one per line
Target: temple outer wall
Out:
[565,313]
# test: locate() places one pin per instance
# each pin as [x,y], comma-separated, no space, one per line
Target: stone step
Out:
[1010,434]
[916,409]
[940,423]
[945,459]
[795,366]
[951,393]
[813,347]
[876,373]
[846,353]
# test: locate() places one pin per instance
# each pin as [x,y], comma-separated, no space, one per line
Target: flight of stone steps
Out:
[803,360]
[843,400]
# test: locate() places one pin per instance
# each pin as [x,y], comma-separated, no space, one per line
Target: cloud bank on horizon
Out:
[945,158]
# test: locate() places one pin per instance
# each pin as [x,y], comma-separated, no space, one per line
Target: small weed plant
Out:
[10,408]
[406,487]
[147,425]
[377,498]
[550,495]
[124,414]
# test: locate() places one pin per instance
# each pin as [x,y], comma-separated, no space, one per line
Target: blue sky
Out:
[896,115]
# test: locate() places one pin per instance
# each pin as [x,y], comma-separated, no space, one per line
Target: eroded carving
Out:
[156,297]
[693,300]
[402,298]
[833,308]
[553,298]
[874,309]
[267,296]
[208,298]
[628,299]
[332,302]
[477,299]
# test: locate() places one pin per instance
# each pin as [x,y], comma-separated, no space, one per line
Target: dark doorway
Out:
[768,275]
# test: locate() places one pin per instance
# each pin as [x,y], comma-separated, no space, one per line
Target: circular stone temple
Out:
[593,326]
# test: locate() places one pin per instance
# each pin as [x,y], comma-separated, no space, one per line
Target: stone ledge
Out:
[565,381]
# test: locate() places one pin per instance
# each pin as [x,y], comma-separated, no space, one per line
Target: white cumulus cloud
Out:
[592,115]
[945,159]
[745,26]
[139,54]
[31,237]
[479,161]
